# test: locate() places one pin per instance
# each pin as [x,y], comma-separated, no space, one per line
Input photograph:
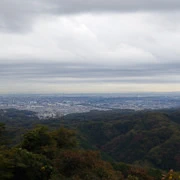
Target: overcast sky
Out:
[77,46]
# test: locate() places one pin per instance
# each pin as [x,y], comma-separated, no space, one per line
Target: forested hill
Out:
[146,138]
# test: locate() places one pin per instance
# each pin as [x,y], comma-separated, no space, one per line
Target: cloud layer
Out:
[18,15]
[93,46]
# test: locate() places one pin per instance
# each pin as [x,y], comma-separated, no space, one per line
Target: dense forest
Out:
[116,144]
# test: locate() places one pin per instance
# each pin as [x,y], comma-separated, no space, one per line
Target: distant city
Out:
[51,106]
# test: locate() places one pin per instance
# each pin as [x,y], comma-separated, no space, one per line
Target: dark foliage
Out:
[146,139]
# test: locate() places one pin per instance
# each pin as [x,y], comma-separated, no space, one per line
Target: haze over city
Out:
[95,46]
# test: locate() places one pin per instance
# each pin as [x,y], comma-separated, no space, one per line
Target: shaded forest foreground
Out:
[75,147]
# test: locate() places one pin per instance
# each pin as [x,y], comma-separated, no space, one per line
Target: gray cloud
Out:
[77,6]
[18,15]
[81,73]
[103,45]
